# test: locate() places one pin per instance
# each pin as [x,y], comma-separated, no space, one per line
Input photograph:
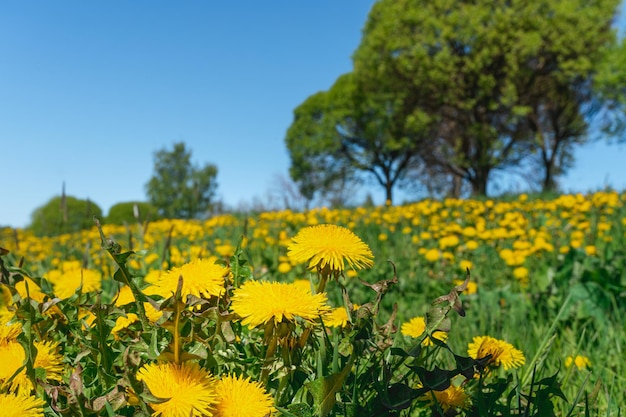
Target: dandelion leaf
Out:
[114,400]
[465,365]
[325,388]
[437,380]
[297,410]
[399,396]
[414,352]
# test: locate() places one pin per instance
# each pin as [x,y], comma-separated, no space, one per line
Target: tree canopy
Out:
[64,214]
[178,188]
[461,88]
[347,133]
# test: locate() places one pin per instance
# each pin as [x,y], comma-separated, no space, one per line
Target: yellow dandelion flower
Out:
[9,332]
[451,398]
[5,314]
[66,283]
[239,397]
[502,353]
[225,250]
[591,250]
[416,327]
[506,254]
[327,246]
[469,231]
[12,357]
[189,390]
[87,317]
[122,323]
[448,242]
[284,267]
[34,291]
[150,258]
[581,362]
[21,405]
[304,283]
[472,287]
[70,266]
[337,317]
[575,243]
[464,265]
[201,277]
[124,296]
[432,255]
[259,302]
[351,273]
[521,274]
[471,245]
[152,313]
[153,276]
[49,358]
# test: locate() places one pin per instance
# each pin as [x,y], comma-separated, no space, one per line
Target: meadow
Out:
[510,306]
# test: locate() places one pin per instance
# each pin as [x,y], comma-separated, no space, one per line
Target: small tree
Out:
[179,189]
[131,212]
[64,214]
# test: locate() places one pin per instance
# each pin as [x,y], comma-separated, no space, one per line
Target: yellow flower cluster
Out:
[189,390]
[455,234]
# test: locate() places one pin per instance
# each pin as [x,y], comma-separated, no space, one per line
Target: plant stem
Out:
[269,354]
[546,340]
[177,333]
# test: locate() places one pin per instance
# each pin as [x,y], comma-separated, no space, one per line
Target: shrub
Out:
[64,215]
[131,212]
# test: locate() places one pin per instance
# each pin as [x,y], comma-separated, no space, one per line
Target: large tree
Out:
[179,189]
[477,67]
[566,104]
[347,134]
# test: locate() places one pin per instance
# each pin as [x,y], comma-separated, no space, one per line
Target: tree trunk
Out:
[479,182]
[388,193]
[457,183]
[549,184]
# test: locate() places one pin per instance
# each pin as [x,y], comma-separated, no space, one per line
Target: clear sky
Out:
[90,90]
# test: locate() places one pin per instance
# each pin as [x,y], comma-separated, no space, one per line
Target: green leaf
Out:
[399,396]
[436,380]
[325,388]
[297,410]
[465,365]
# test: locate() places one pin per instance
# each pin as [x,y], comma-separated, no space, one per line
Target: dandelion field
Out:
[492,307]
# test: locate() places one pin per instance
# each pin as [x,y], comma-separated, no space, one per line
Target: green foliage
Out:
[131,212]
[610,83]
[314,148]
[359,369]
[179,189]
[63,214]
[462,88]
[349,131]
[571,304]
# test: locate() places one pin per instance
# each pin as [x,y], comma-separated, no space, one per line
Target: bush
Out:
[64,215]
[125,213]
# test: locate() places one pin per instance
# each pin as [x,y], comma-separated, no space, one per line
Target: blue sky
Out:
[90,90]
